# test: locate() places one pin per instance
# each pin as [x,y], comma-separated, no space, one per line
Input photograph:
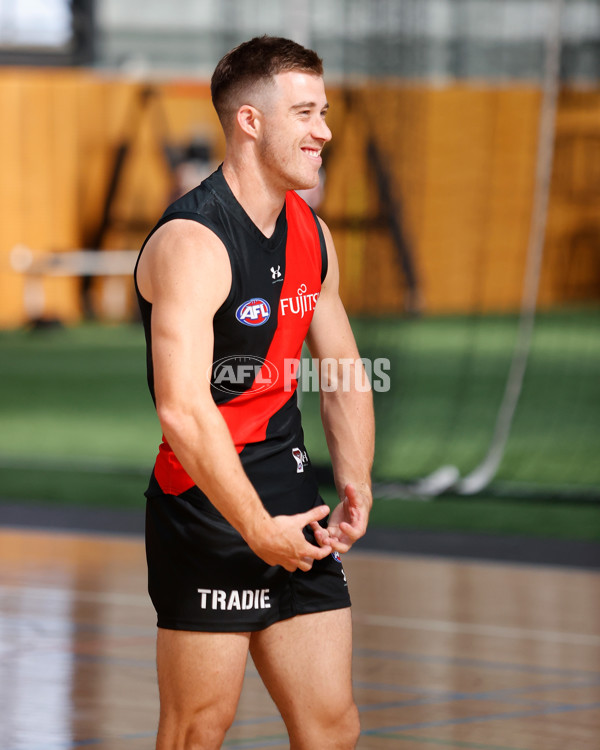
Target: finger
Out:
[315,552]
[341,547]
[335,535]
[321,534]
[353,532]
[314,514]
[338,545]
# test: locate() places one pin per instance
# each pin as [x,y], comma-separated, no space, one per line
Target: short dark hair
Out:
[256,61]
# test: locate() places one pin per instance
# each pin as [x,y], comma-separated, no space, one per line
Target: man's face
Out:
[295,130]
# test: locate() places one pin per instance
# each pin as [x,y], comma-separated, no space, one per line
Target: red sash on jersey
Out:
[248,414]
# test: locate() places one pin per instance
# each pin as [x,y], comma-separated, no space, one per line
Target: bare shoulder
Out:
[333,274]
[184,257]
[326,231]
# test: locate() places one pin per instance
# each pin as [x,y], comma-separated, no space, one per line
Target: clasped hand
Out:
[347,523]
[285,544]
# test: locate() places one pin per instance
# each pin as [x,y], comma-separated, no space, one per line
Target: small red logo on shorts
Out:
[301,457]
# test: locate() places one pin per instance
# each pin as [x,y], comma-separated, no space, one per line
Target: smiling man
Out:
[243,555]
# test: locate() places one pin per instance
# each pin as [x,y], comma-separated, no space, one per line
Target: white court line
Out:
[494,631]
[56,594]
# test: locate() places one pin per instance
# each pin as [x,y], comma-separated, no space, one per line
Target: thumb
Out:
[350,493]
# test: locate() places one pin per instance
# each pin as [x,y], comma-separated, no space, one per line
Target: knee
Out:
[206,730]
[348,728]
[341,727]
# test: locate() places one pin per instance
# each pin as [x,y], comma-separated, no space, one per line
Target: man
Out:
[232,280]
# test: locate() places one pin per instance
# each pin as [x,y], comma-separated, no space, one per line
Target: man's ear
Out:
[249,120]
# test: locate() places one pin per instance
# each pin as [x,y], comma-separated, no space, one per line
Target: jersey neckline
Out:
[219,187]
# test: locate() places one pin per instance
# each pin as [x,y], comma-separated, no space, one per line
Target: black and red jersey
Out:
[258,335]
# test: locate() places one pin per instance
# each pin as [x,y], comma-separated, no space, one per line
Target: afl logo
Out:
[254,312]
[240,373]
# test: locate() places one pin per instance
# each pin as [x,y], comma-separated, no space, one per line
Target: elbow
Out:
[343,376]
[173,418]
[186,418]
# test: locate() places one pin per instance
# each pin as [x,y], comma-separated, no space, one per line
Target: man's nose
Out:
[321,130]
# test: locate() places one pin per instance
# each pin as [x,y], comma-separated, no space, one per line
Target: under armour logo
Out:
[275,272]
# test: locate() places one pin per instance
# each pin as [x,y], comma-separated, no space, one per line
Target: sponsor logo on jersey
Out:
[254,312]
[276,273]
[239,600]
[301,304]
[240,372]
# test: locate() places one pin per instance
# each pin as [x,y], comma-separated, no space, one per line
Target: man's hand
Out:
[283,543]
[348,520]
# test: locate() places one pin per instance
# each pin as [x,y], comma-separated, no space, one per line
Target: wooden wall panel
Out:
[11,179]
[461,160]
[571,270]
[61,187]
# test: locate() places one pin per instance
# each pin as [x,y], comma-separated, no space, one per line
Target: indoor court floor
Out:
[448,654]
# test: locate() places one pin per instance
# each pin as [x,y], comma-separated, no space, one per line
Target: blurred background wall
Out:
[435,112]
[462,188]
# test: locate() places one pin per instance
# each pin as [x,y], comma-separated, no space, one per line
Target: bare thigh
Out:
[200,678]
[305,663]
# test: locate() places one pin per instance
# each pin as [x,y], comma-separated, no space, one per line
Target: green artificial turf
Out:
[487,515]
[448,377]
[79,427]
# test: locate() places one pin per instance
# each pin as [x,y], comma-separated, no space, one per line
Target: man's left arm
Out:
[346,411]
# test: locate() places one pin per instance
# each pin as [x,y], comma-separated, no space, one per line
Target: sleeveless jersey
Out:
[258,335]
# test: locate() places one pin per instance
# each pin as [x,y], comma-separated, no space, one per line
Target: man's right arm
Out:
[184,272]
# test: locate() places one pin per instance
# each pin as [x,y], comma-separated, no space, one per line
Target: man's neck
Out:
[260,200]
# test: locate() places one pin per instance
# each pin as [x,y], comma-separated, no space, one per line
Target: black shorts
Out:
[203,576]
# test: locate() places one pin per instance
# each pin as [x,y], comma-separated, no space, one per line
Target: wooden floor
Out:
[447,654]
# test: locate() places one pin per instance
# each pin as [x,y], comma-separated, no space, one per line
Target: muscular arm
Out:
[346,412]
[185,273]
